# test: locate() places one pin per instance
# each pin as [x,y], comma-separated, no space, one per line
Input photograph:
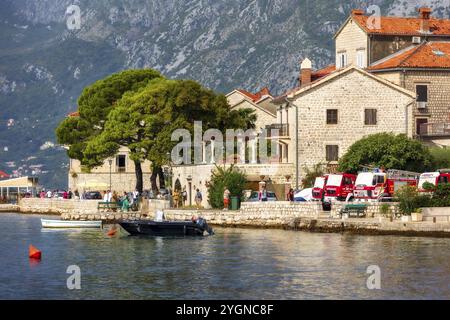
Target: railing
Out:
[277,130]
[434,129]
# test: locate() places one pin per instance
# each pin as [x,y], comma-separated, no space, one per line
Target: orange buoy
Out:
[35,253]
[112,232]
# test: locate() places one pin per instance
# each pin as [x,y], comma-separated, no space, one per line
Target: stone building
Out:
[332,113]
[277,173]
[119,171]
[412,52]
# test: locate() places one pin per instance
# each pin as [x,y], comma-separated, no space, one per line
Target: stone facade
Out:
[350,41]
[350,92]
[123,177]
[438,83]
[196,177]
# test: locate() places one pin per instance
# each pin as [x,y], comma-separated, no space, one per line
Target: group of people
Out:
[179,198]
[49,194]
[125,202]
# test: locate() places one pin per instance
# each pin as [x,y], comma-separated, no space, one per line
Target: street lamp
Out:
[110,174]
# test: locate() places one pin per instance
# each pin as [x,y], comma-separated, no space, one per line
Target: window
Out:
[332,116]
[422,93]
[370,117]
[342,60]
[332,153]
[361,58]
[347,181]
[121,162]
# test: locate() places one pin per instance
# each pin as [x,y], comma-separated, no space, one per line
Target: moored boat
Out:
[61,224]
[167,228]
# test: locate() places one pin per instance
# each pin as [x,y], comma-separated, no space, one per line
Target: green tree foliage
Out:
[311,174]
[231,178]
[441,157]
[144,121]
[389,151]
[410,200]
[95,104]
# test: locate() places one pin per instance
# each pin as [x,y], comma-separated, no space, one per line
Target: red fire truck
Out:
[339,186]
[319,186]
[435,178]
[381,186]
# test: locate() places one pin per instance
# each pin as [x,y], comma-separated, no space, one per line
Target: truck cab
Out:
[434,178]
[339,186]
[370,185]
[318,190]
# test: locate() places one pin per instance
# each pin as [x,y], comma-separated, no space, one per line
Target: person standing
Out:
[198,199]
[184,195]
[226,199]
[290,195]
[176,199]
[263,194]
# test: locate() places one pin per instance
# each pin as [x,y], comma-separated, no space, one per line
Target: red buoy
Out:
[112,232]
[35,253]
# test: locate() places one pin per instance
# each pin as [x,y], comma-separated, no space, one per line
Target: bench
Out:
[109,206]
[359,210]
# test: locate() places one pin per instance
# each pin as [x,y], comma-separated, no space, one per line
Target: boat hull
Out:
[61,224]
[162,229]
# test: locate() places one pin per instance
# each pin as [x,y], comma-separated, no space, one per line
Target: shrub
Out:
[389,151]
[385,210]
[427,186]
[232,178]
[311,175]
[441,157]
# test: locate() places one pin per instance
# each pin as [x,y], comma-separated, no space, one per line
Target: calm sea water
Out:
[233,264]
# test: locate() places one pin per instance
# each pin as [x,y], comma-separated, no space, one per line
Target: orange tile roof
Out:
[427,55]
[3,175]
[257,96]
[74,114]
[404,26]
[323,72]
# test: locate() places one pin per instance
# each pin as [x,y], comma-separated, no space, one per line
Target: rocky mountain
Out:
[224,44]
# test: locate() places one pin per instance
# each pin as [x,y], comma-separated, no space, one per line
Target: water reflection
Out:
[233,264]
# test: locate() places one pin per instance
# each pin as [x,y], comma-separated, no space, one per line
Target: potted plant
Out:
[417,216]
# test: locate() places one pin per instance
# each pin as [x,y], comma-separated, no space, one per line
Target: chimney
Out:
[357,12]
[424,15]
[305,72]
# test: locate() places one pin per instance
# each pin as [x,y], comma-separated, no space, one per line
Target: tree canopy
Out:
[231,178]
[94,105]
[389,151]
[144,119]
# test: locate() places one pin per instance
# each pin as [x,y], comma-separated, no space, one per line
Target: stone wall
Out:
[56,206]
[351,39]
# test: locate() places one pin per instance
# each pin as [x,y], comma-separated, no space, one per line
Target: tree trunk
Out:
[153,180]
[162,180]
[139,178]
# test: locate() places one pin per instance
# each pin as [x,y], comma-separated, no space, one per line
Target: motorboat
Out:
[166,228]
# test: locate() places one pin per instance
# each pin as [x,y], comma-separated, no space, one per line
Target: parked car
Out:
[254,197]
[305,195]
[93,195]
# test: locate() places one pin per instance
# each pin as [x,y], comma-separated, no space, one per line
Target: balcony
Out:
[278,130]
[434,130]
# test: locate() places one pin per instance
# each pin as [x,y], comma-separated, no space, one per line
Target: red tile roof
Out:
[74,114]
[427,55]
[315,76]
[3,175]
[257,96]
[323,72]
[403,26]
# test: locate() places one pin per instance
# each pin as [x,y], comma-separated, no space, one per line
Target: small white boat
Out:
[70,224]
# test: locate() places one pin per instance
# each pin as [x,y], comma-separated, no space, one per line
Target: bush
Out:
[441,196]
[389,151]
[427,186]
[407,197]
[311,175]
[441,157]
[232,178]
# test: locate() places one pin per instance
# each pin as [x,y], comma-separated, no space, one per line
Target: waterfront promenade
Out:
[275,215]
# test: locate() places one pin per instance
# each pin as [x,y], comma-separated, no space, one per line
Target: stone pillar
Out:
[242,150]
[213,151]
[254,151]
[204,152]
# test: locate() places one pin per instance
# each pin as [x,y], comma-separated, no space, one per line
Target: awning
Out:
[23,182]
